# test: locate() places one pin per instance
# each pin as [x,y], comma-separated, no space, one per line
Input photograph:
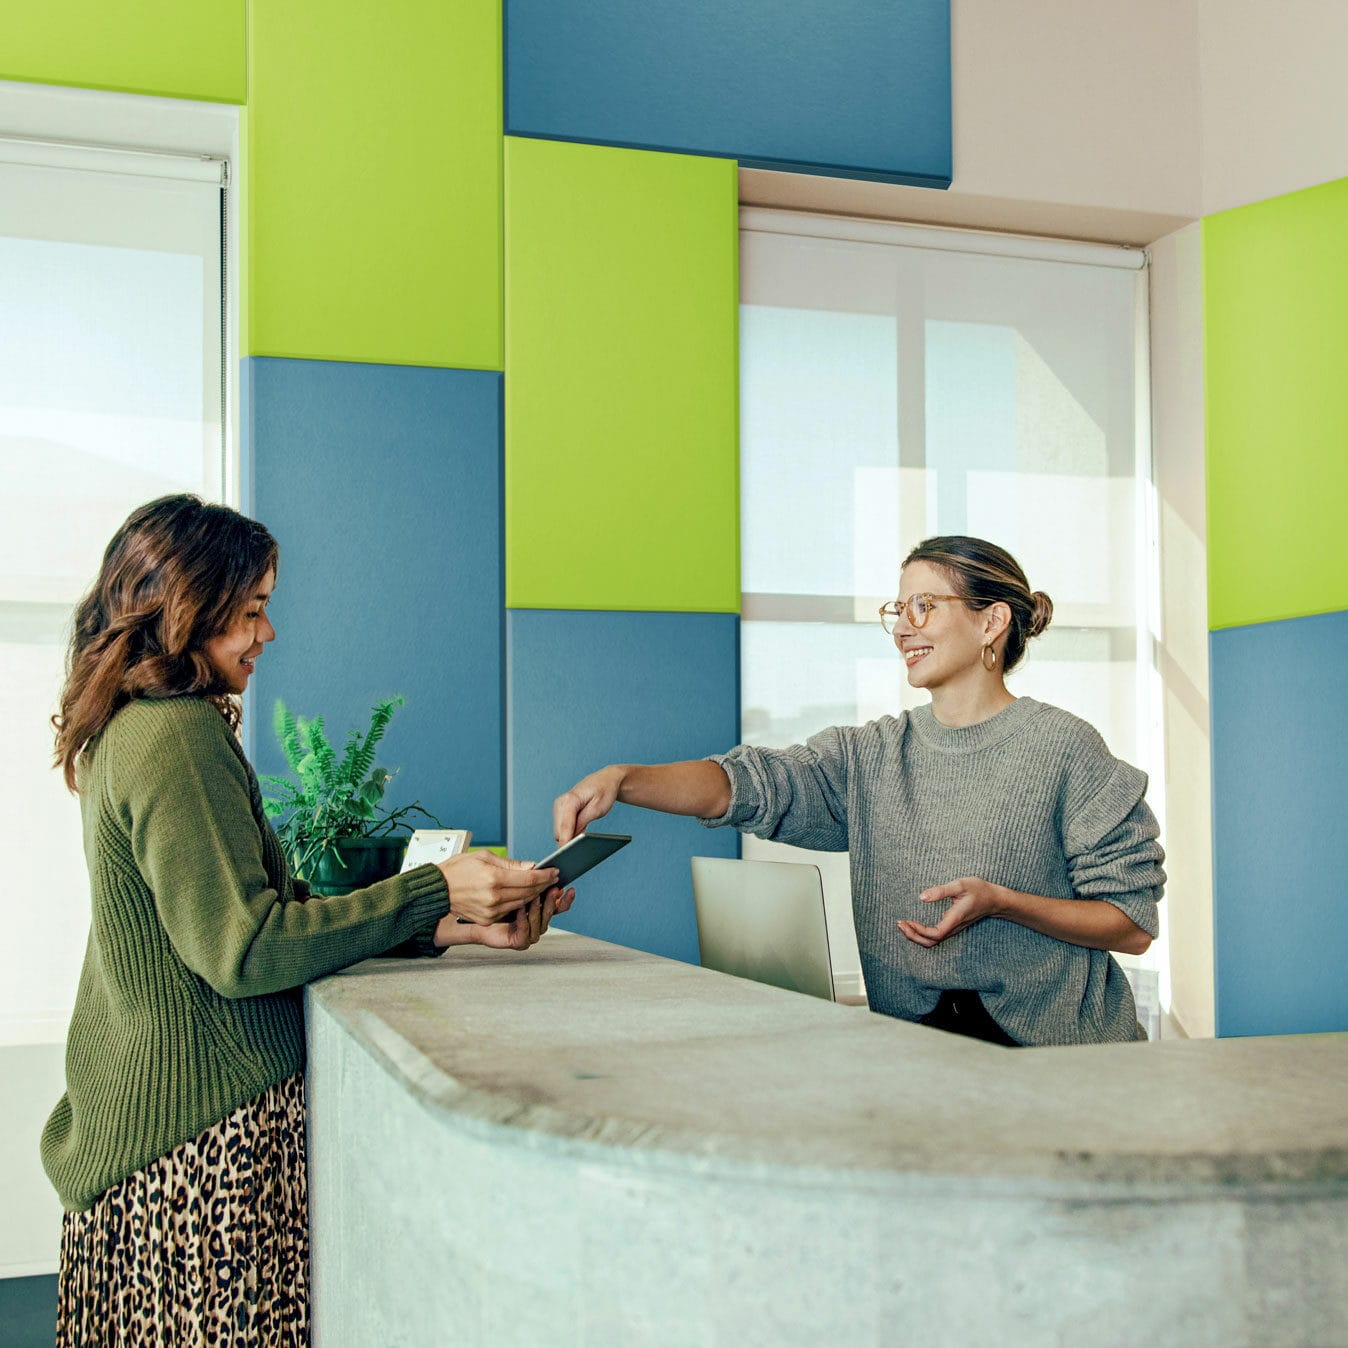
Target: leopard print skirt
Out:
[207,1246]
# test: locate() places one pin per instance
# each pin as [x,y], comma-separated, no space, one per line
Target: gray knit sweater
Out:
[1030,798]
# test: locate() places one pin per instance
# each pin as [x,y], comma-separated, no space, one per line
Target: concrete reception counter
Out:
[586,1145]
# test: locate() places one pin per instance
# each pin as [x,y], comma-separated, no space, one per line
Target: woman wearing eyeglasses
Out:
[998,850]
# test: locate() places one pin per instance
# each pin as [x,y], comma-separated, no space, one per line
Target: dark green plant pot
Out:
[366,860]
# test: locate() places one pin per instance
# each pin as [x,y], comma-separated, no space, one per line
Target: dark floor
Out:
[28,1312]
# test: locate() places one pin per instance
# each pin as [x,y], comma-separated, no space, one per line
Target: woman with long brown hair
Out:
[178,1147]
[998,850]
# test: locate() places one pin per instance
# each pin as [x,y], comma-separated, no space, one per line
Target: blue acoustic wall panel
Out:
[1280,818]
[846,88]
[592,688]
[383,487]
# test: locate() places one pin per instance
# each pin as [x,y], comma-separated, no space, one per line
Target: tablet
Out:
[582,853]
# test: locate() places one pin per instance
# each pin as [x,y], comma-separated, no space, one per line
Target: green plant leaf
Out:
[373,790]
[380,715]
[320,748]
[287,733]
[334,798]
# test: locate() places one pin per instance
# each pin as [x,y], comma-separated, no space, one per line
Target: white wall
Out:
[1274,97]
[1089,103]
[1181,643]
[32,1077]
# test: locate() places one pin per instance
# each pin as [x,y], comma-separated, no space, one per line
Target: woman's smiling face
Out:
[951,640]
[233,654]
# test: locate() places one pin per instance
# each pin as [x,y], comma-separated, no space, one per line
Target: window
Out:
[898,383]
[111,393]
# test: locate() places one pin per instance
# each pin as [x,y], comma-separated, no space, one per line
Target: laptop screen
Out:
[763,920]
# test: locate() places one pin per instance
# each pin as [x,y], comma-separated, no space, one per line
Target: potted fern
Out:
[336,832]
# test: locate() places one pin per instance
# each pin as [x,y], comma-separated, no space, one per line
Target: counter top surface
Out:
[578,1042]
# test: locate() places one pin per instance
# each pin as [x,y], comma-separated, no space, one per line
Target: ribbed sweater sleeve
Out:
[1112,847]
[185,795]
[796,795]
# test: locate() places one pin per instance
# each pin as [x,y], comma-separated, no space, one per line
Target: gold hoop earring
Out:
[989,665]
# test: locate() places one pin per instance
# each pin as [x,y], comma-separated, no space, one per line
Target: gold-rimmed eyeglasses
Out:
[918,607]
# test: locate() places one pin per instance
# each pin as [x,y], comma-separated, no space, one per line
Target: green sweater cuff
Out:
[430,903]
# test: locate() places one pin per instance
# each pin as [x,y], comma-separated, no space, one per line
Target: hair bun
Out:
[1043,612]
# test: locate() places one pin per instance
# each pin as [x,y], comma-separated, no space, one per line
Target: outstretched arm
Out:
[696,787]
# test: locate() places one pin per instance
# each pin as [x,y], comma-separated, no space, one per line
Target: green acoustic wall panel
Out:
[622,458]
[374,181]
[1275,352]
[170,48]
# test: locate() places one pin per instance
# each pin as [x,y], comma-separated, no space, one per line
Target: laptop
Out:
[763,920]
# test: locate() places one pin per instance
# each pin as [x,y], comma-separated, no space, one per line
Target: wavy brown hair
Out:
[174,576]
[983,574]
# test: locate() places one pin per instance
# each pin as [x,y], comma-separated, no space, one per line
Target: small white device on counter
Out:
[435,844]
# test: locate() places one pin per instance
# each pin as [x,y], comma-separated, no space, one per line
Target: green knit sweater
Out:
[189,1003]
